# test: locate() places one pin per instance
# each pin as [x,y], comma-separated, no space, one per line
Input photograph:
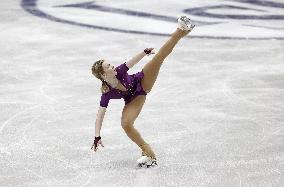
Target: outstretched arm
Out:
[134,60]
[99,122]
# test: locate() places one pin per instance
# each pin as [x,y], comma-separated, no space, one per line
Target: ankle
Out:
[180,33]
[143,145]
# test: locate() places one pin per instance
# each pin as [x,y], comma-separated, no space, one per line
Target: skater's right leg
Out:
[129,114]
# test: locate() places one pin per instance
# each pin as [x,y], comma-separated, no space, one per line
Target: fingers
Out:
[152,50]
[96,144]
[95,147]
[149,51]
[100,143]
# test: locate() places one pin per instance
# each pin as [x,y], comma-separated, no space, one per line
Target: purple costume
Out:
[131,82]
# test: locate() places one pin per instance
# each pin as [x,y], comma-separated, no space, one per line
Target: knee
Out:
[126,124]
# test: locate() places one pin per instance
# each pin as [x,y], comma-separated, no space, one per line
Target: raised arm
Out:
[98,125]
[134,60]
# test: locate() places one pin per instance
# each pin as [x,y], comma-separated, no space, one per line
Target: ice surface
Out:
[214,118]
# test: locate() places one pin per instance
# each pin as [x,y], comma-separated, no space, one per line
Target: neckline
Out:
[122,86]
[117,88]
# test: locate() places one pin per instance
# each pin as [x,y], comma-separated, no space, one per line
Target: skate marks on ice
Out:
[233,111]
[31,151]
[266,20]
[50,151]
[219,130]
[215,117]
[32,137]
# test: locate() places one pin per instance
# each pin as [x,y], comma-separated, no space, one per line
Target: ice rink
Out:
[214,118]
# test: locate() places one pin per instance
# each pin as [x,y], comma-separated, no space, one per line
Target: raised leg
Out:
[129,114]
[152,68]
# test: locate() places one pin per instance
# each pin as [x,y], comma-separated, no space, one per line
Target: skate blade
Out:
[144,165]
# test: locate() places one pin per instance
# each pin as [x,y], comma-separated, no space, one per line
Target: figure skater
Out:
[117,84]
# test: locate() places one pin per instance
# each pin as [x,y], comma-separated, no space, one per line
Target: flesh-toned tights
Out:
[151,70]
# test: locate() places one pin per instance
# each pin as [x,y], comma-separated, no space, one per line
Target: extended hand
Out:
[96,143]
[149,51]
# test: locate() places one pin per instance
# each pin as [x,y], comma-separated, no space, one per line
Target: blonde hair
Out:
[97,71]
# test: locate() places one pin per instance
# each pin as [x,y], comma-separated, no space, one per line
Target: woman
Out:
[117,84]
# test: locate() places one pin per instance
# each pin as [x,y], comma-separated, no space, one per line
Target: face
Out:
[109,70]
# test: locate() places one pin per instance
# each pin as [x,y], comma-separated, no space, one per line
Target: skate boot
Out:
[147,150]
[147,162]
[148,158]
[184,23]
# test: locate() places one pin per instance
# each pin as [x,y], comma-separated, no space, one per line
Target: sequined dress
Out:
[131,82]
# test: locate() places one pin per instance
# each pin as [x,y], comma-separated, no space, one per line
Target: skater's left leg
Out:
[152,68]
[129,114]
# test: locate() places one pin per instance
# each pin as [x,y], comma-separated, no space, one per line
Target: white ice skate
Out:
[145,161]
[184,23]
